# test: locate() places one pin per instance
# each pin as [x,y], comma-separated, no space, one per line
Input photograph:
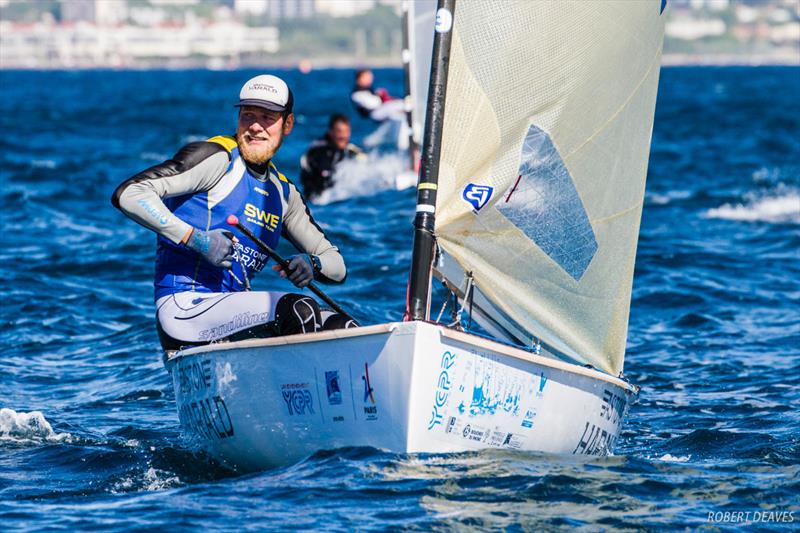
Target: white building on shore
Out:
[86,45]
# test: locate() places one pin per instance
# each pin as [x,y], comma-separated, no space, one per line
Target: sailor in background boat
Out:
[318,164]
[203,266]
[375,104]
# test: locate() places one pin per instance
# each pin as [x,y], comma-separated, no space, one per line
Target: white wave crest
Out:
[668,197]
[43,163]
[776,209]
[673,459]
[360,177]
[28,428]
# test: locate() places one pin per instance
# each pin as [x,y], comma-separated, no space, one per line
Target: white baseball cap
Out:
[267,91]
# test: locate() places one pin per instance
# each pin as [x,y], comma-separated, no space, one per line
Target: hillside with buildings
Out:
[66,34]
[752,32]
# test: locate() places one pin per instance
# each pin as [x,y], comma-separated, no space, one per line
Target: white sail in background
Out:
[421,19]
[546,138]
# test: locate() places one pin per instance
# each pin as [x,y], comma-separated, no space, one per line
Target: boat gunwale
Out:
[389,327]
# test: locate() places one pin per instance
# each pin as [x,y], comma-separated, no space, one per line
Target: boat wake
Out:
[779,207]
[378,172]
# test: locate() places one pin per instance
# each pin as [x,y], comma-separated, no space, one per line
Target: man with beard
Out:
[203,266]
[318,164]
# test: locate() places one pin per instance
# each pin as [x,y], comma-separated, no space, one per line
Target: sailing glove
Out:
[384,94]
[216,246]
[301,270]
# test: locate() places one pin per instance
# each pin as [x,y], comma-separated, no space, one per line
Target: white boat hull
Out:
[404,387]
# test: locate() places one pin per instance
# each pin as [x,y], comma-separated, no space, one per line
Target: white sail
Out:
[421,18]
[546,138]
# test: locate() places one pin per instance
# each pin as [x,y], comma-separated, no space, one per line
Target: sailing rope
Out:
[467,296]
[444,304]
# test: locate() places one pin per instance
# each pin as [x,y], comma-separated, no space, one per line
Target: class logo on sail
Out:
[477,196]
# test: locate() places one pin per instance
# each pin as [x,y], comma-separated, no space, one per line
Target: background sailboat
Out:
[418,22]
[387,170]
[532,183]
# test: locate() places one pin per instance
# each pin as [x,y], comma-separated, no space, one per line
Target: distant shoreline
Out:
[668,60]
[731,60]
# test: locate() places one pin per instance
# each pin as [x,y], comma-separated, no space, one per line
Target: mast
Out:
[407,7]
[418,299]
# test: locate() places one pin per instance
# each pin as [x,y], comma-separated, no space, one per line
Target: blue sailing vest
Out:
[259,204]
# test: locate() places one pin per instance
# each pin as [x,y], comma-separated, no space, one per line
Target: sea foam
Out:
[28,428]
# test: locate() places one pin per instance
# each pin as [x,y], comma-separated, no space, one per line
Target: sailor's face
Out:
[365,79]
[260,133]
[340,135]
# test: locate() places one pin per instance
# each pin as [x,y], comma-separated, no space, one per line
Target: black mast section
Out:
[418,304]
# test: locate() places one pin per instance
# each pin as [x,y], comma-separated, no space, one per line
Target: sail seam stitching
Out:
[617,214]
[623,106]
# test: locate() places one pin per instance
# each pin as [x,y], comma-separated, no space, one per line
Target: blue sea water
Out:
[89,435]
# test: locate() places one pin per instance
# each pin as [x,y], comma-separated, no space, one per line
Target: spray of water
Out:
[366,176]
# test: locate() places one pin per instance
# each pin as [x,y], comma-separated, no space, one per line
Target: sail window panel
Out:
[545,205]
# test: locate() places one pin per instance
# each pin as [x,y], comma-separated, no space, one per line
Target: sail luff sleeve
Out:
[418,304]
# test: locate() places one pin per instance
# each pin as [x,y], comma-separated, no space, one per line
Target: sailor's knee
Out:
[337,321]
[296,313]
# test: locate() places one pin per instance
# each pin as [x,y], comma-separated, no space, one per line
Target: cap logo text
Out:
[263,87]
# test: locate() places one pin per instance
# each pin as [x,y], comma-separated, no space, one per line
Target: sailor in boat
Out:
[318,164]
[204,267]
[375,104]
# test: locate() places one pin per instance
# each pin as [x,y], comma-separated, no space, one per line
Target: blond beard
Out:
[257,155]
